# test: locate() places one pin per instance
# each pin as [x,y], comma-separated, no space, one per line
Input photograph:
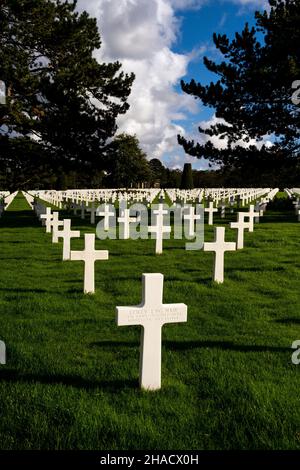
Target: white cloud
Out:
[259,3]
[222,143]
[141,34]
[187,4]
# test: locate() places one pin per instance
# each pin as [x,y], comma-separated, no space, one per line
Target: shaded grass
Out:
[71,379]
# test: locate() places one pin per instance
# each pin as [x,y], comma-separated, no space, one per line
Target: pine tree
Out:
[187,177]
[252,98]
[57,92]
[127,163]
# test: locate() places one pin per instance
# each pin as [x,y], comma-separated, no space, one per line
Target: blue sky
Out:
[162,42]
[197,28]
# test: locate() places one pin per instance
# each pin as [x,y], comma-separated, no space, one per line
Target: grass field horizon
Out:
[71,378]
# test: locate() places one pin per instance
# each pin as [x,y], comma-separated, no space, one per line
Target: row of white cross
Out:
[219,246]
[239,195]
[152,313]
[90,255]
[86,196]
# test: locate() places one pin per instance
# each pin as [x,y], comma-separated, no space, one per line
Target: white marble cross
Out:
[262,208]
[125,220]
[2,352]
[151,314]
[55,223]
[296,205]
[191,217]
[222,207]
[47,219]
[240,225]
[89,255]
[159,229]
[251,214]
[257,209]
[106,213]
[211,209]
[82,208]
[66,234]
[219,246]
[2,92]
[93,211]
[74,207]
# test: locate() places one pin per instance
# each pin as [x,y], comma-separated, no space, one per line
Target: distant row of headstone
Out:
[242,196]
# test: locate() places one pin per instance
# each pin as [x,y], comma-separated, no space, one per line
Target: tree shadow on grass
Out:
[287,321]
[19,219]
[287,217]
[10,375]
[75,290]
[188,345]
[38,291]
[29,290]
[173,248]
[224,345]
[144,254]
[254,269]
[114,344]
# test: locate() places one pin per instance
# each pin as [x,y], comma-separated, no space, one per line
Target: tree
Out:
[209,179]
[187,177]
[252,98]
[127,163]
[173,178]
[158,172]
[60,100]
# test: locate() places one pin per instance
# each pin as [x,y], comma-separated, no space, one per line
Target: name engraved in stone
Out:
[151,314]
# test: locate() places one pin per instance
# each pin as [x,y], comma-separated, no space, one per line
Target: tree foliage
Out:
[187,177]
[252,97]
[61,101]
[127,163]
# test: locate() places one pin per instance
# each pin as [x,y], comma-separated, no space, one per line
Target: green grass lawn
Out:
[71,378]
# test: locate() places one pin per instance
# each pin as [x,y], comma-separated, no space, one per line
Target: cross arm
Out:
[77,256]
[101,255]
[129,316]
[175,313]
[209,246]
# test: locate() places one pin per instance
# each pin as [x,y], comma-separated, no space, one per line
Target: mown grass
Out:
[71,378]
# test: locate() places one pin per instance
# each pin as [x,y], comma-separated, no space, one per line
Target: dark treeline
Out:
[156,175]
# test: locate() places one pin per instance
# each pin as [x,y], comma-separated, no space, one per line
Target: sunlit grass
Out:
[71,378]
